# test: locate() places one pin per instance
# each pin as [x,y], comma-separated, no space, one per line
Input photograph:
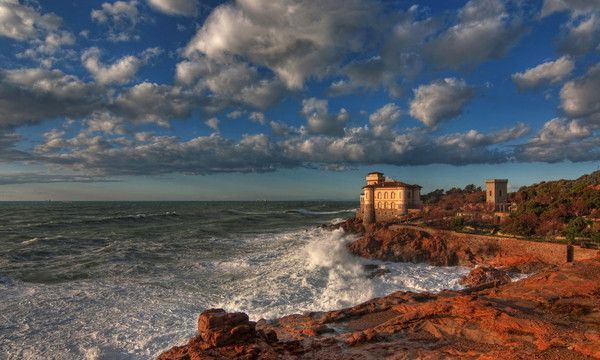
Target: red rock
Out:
[219,328]
[485,275]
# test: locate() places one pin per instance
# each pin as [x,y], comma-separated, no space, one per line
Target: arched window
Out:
[393,193]
[385,195]
[379,195]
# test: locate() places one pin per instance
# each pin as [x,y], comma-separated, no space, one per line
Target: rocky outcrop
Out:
[483,275]
[407,245]
[554,314]
[225,335]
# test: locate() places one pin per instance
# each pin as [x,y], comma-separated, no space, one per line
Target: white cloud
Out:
[384,118]
[581,97]
[577,6]
[212,123]
[107,123]
[21,22]
[31,95]
[294,41]
[229,82]
[42,31]
[581,34]
[562,139]
[176,7]
[440,100]
[121,17]
[320,121]
[151,102]
[551,71]
[484,30]
[258,117]
[120,72]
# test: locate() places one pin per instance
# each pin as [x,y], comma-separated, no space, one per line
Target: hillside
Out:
[564,207]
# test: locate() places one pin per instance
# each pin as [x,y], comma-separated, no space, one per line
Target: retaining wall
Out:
[551,253]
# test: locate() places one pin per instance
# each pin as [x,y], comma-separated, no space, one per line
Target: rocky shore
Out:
[552,314]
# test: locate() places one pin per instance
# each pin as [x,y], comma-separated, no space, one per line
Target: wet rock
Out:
[378,272]
[485,275]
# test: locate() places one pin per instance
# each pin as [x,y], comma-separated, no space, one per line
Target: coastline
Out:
[553,313]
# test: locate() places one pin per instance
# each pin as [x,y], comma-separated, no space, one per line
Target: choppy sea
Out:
[127,280]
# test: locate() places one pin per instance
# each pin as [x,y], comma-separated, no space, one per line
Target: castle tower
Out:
[375,178]
[496,193]
[368,205]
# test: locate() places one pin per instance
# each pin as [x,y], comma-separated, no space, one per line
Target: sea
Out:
[127,280]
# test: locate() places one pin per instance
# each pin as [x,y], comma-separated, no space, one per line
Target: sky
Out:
[292,100]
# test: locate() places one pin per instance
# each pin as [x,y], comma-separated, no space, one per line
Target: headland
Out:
[522,299]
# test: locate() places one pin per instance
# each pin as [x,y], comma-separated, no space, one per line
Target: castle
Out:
[384,200]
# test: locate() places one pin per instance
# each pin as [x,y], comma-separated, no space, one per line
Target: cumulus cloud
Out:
[577,6]
[581,34]
[484,30]
[31,95]
[176,7]
[295,42]
[440,100]
[384,118]
[121,17]
[258,117]
[121,71]
[42,32]
[229,82]
[212,123]
[548,72]
[320,121]
[562,139]
[22,22]
[399,58]
[151,102]
[581,97]
[107,123]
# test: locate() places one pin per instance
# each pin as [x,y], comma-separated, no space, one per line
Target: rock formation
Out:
[554,314]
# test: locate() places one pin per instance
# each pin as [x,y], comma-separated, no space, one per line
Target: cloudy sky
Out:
[262,99]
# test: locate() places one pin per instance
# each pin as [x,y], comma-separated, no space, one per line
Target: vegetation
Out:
[570,208]
[563,208]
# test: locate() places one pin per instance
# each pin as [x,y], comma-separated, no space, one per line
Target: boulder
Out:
[485,275]
[220,328]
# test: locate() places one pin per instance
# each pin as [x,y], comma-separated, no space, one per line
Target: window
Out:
[490,192]
[393,194]
[379,195]
[500,192]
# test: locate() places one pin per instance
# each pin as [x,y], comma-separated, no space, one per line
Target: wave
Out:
[312,270]
[313,212]
[39,239]
[292,211]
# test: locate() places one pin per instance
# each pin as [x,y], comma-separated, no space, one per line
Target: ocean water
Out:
[127,280]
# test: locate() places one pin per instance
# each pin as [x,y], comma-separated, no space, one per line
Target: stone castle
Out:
[386,200]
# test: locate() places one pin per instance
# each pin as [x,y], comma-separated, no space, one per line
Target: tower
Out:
[496,193]
[369,205]
[375,178]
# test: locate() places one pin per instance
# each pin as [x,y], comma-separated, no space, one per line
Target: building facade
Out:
[387,200]
[496,194]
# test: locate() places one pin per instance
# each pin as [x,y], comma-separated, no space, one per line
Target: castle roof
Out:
[375,172]
[392,184]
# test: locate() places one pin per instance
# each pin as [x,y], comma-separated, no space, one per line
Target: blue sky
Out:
[255,99]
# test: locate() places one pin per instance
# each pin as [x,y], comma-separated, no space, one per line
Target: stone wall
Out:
[551,253]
